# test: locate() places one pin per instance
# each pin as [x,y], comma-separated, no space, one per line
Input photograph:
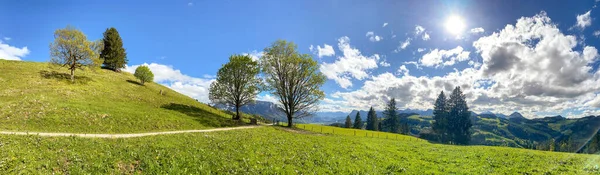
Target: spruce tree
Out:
[372,120]
[348,123]
[358,121]
[113,53]
[440,122]
[391,116]
[459,118]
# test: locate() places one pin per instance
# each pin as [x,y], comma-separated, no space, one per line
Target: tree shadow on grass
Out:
[204,117]
[64,77]
[135,82]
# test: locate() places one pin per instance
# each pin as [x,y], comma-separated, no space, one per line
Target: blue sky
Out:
[186,42]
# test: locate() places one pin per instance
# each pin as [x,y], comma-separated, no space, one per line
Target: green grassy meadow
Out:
[274,150]
[38,97]
[355,132]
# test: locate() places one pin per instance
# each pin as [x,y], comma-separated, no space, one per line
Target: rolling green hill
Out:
[275,150]
[38,97]
[521,132]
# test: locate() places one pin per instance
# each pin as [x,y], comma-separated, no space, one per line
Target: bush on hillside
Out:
[144,74]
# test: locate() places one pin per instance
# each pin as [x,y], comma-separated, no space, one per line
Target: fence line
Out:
[373,134]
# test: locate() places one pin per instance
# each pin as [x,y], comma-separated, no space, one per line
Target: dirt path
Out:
[46,134]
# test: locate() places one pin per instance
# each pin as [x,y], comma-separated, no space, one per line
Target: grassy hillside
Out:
[37,97]
[274,150]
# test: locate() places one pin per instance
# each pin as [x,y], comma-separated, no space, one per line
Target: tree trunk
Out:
[289,121]
[72,75]
[237,113]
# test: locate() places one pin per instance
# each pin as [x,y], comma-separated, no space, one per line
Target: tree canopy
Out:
[144,74]
[372,121]
[237,83]
[392,121]
[358,121]
[452,118]
[348,123]
[72,50]
[293,78]
[113,54]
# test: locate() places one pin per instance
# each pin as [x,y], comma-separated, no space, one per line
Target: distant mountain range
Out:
[488,128]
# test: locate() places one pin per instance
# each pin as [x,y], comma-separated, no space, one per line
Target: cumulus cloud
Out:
[255,55]
[7,38]
[584,20]
[436,57]
[352,64]
[326,50]
[597,33]
[8,52]
[530,67]
[372,37]
[172,78]
[384,24]
[477,30]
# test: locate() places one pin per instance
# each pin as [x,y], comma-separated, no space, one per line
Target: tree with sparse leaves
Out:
[237,83]
[293,78]
[358,121]
[143,74]
[113,54]
[348,123]
[372,123]
[391,122]
[72,50]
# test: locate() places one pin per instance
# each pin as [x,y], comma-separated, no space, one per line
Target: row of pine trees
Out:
[452,122]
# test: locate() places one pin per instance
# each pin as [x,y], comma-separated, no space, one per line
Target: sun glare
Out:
[455,25]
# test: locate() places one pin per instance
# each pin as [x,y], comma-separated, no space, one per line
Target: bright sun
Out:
[455,25]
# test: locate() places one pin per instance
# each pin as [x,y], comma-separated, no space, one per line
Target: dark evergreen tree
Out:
[459,118]
[113,54]
[404,128]
[348,123]
[391,122]
[358,121]
[372,120]
[440,122]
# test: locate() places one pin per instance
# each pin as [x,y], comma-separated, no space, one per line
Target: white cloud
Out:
[384,24]
[7,38]
[384,63]
[190,4]
[255,55]
[172,78]
[8,52]
[403,70]
[351,65]
[420,50]
[267,97]
[403,45]
[326,50]
[372,37]
[436,57]
[530,67]
[477,30]
[597,33]
[584,20]
[425,37]
[420,31]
